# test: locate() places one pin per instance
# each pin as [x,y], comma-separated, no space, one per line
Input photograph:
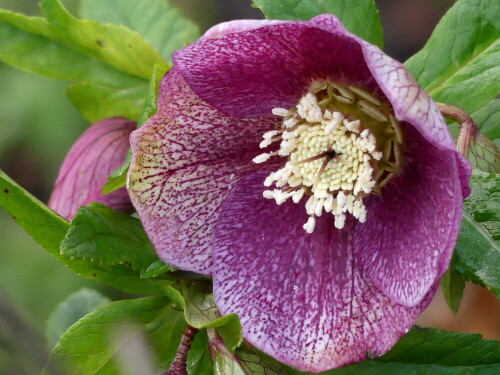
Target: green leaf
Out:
[477,252]
[358,16]
[97,102]
[157,21]
[155,269]
[425,351]
[459,64]
[93,345]
[66,313]
[100,89]
[243,362]
[487,119]
[118,177]
[49,229]
[108,237]
[452,285]
[118,46]
[25,42]
[197,301]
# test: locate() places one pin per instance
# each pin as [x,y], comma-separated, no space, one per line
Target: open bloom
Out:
[99,151]
[307,173]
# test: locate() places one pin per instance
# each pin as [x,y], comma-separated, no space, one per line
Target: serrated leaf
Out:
[459,63]
[118,177]
[200,311]
[160,23]
[155,269]
[358,16]
[49,229]
[88,348]
[477,252]
[452,284]
[429,351]
[116,45]
[108,237]
[69,311]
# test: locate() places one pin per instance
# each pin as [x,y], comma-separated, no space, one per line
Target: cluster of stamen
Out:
[342,144]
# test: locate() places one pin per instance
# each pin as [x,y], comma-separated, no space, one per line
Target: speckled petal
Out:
[246,74]
[411,228]
[302,299]
[410,102]
[100,150]
[185,161]
[236,26]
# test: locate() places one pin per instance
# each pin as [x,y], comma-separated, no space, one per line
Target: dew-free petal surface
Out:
[301,298]
[236,26]
[185,161]
[247,74]
[409,235]
[99,151]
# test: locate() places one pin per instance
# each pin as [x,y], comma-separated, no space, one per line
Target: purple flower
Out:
[307,173]
[100,149]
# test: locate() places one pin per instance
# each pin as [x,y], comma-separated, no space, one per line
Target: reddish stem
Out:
[178,366]
[468,128]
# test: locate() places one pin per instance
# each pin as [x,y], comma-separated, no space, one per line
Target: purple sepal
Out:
[99,151]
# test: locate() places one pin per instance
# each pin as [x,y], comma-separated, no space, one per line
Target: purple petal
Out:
[411,228]
[185,161]
[246,74]
[236,26]
[99,151]
[301,298]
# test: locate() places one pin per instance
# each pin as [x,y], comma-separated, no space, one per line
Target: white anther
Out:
[297,196]
[341,200]
[281,197]
[314,115]
[359,211]
[289,135]
[261,158]
[266,142]
[353,126]
[310,205]
[377,155]
[339,221]
[270,134]
[328,206]
[330,158]
[268,194]
[282,112]
[290,123]
[318,210]
[310,224]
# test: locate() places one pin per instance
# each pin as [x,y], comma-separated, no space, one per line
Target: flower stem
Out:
[178,366]
[468,128]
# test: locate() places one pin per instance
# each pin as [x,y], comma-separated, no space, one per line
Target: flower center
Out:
[342,144]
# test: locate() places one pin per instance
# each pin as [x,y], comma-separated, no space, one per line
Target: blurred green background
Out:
[38,126]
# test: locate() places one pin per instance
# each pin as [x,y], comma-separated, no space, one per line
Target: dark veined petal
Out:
[411,227]
[101,149]
[247,74]
[302,299]
[185,161]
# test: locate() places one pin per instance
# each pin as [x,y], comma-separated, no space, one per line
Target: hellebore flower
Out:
[307,173]
[100,149]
